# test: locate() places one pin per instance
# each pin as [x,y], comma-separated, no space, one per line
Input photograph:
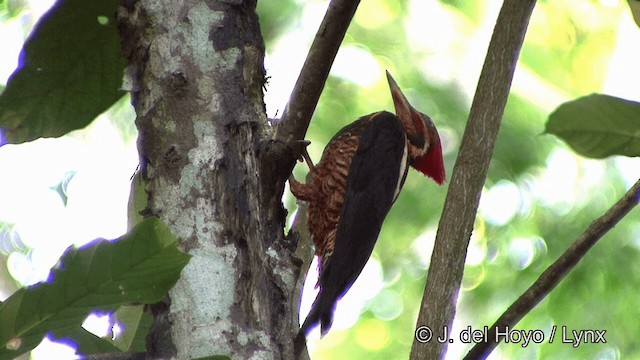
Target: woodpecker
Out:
[352,188]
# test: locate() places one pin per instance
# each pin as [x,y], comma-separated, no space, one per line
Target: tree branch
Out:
[557,271]
[279,154]
[279,157]
[469,173]
[306,92]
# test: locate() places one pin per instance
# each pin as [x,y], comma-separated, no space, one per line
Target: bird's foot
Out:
[304,154]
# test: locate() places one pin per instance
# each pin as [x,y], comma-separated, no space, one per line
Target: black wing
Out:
[376,174]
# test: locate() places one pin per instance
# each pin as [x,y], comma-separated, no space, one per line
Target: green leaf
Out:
[137,322]
[70,71]
[137,200]
[89,343]
[138,268]
[133,321]
[598,126]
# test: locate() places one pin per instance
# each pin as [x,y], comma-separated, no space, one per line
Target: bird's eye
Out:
[417,140]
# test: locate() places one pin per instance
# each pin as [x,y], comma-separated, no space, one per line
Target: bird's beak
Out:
[431,164]
[410,117]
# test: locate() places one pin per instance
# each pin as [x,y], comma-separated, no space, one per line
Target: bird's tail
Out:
[321,313]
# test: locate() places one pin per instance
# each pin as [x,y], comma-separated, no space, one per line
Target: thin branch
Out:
[469,173]
[304,98]
[279,154]
[306,92]
[557,271]
[297,114]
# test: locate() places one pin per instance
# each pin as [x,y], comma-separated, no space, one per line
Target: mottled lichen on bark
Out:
[199,300]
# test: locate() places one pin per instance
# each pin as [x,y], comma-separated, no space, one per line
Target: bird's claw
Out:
[304,155]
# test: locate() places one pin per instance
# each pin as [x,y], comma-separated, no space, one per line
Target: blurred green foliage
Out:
[557,193]
[10,8]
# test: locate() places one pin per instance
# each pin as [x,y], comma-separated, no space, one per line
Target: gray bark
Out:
[196,76]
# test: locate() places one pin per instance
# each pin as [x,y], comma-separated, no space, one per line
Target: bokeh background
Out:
[539,195]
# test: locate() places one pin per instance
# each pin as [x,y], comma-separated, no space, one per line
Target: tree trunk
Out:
[211,174]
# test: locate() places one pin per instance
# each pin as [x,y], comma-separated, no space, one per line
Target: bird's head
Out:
[425,151]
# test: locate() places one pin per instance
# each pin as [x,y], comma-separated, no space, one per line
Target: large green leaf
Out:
[132,318]
[138,322]
[89,343]
[598,125]
[139,268]
[70,71]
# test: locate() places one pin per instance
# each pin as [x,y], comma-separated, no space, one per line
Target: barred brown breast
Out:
[326,186]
